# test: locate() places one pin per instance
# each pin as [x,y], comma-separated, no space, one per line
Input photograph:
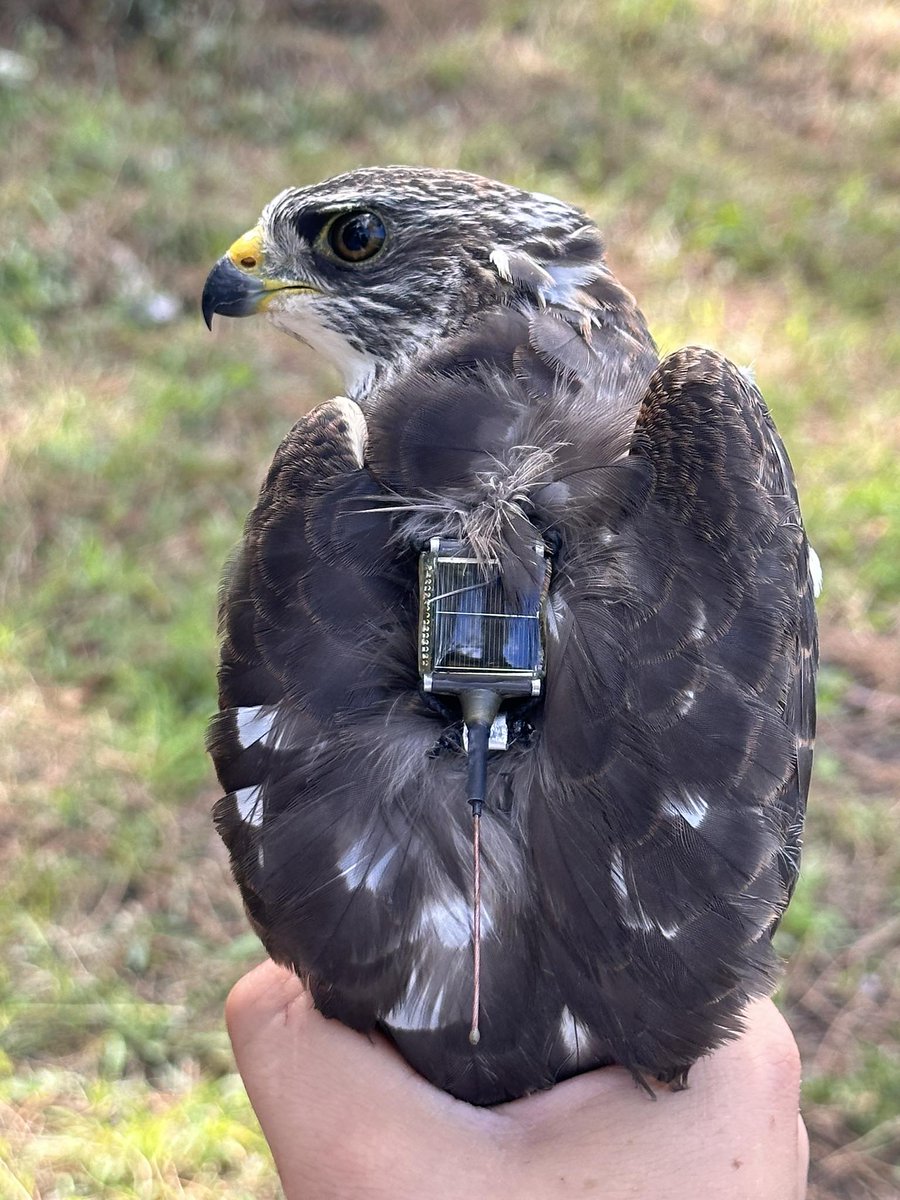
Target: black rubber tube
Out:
[479,735]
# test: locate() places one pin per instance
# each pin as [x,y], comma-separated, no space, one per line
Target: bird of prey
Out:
[516,516]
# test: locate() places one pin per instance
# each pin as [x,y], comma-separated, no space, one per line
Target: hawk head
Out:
[371,268]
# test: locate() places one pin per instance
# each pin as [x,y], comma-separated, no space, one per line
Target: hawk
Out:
[506,410]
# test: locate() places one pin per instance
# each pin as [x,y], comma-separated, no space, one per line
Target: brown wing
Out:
[642,838]
[678,726]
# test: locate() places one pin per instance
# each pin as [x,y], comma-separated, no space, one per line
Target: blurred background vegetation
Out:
[744,162]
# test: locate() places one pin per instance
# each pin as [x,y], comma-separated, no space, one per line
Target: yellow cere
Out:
[248,256]
[247,252]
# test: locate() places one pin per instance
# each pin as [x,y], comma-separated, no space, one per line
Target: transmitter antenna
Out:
[483,645]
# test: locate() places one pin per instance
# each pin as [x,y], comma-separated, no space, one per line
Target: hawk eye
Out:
[357,236]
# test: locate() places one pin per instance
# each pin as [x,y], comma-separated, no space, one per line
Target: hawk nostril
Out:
[248,262]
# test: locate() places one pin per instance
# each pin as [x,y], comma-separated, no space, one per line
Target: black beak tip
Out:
[208,301]
[230,292]
[213,294]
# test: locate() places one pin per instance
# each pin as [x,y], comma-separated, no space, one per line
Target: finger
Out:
[342,1111]
[735,1126]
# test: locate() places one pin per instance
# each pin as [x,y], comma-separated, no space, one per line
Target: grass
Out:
[739,163]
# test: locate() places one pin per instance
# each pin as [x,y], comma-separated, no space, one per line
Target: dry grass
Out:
[740,163]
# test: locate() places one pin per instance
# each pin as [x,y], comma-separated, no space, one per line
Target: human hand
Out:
[346,1117]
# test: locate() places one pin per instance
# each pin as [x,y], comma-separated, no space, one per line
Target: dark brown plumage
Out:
[641,835]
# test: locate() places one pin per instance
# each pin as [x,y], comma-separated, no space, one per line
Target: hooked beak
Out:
[230,292]
[235,287]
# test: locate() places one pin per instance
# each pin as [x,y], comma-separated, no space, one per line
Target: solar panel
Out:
[474,630]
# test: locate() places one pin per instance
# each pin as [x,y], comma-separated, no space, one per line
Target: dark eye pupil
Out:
[357,236]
